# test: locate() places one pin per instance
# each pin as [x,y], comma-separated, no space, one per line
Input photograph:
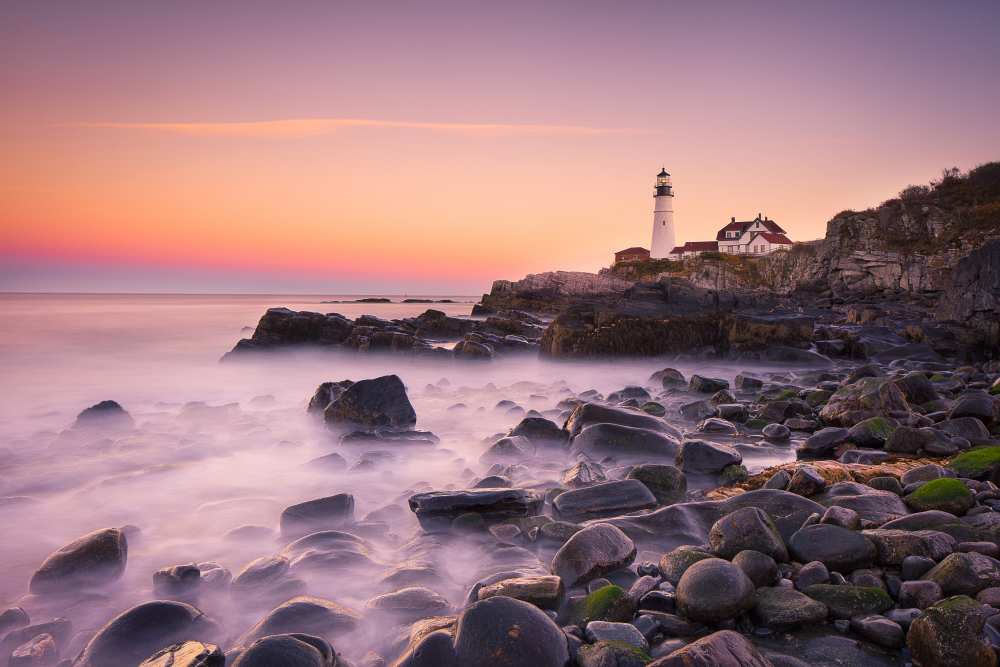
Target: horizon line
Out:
[227,293]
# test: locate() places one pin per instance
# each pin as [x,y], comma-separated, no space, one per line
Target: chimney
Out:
[732,219]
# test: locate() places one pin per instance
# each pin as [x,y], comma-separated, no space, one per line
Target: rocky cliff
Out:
[907,244]
[931,254]
[972,296]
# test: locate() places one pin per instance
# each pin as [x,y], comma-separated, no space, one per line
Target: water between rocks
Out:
[216,447]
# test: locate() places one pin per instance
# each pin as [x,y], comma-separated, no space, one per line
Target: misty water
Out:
[221,446]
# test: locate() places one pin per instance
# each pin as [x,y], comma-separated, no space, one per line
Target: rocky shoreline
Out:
[623,530]
[917,277]
[835,502]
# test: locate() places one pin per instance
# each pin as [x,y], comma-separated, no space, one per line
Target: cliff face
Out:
[972,297]
[908,244]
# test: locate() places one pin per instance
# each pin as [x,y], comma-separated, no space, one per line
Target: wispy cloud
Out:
[301,127]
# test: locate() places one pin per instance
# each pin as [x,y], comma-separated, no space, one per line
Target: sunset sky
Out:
[431,147]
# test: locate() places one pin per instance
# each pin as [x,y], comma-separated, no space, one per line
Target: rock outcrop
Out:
[283,329]
[548,292]
[972,297]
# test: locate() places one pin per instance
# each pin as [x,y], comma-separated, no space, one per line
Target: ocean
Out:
[216,448]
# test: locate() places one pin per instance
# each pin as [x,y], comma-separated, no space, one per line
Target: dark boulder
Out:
[950,634]
[591,553]
[714,590]
[137,633]
[326,394]
[699,456]
[917,388]
[594,413]
[705,385]
[839,549]
[436,509]
[675,563]
[980,405]
[320,514]
[407,605]
[541,432]
[280,327]
[846,601]
[668,483]
[747,528]
[106,414]
[94,560]
[784,607]
[305,614]
[965,573]
[624,442]
[380,403]
[822,443]
[866,398]
[504,632]
[668,377]
[288,650]
[872,432]
[604,499]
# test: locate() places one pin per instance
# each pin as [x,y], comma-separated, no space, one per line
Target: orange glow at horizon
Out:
[509,140]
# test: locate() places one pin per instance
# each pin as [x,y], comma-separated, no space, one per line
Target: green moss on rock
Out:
[976,462]
[733,474]
[881,427]
[848,601]
[610,603]
[951,633]
[653,408]
[946,493]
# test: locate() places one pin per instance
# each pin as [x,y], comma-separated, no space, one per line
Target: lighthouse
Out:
[663,218]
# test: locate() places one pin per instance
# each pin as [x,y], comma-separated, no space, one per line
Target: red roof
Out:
[776,238]
[633,251]
[742,226]
[697,246]
[677,250]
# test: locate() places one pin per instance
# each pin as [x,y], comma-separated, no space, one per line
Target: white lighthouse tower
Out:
[663,217]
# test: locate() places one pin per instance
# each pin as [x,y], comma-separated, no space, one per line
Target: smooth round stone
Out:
[592,552]
[812,573]
[137,633]
[91,561]
[714,590]
[840,549]
[777,432]
[501,626]
[699,456]
[290,650]
[782,607]
[747,528]
[667,483]
[760,568]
